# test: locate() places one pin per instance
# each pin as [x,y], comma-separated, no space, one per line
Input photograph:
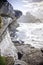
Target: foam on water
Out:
[31,33]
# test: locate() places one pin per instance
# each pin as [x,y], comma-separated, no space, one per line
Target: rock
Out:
[33,58]
[19,55]
[18,13]
[19,62]
[2,2]
[8,17]
[42,50]
[41,63]
[25,48]
[7,10]
[10,60]
[30,55]
[18,43]
[7,47]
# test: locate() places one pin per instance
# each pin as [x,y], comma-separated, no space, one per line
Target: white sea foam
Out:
[31,33]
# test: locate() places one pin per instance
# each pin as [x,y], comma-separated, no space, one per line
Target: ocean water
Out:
[31,33]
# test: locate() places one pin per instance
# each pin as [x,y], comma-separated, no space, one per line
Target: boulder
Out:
[30,54]
[7,10]
[33,58]
[18,13]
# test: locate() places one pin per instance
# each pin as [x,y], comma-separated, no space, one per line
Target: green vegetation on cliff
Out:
[2,60]
[0,22]
[6,60]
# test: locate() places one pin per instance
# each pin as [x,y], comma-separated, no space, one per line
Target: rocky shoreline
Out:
[29,55]
[15,53]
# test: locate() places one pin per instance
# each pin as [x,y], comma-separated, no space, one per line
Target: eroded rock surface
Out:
[8,17]
[30,54]
[7,47]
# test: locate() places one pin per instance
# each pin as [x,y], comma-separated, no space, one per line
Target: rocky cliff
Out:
[7,17]
[22,54]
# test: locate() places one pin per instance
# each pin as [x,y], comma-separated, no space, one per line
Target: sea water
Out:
[31,33]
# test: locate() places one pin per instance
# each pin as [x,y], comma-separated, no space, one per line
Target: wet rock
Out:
[18,43]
